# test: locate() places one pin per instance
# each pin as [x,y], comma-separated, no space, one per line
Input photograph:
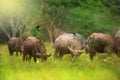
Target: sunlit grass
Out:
[103,67]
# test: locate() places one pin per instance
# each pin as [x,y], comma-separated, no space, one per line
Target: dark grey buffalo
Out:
[35,48]
[69,43]
[102,43]
[15,44]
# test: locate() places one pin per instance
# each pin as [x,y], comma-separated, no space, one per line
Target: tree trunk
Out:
[47,21]
[49,30]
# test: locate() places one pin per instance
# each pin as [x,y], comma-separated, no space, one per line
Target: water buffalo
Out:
[102,43]
[35,48]
[69,43]
[15,44]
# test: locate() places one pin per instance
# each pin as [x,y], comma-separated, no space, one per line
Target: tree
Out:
[54,13]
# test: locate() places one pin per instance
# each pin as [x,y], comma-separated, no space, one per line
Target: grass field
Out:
[103,67]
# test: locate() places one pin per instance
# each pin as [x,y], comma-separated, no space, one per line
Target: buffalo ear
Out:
[48,55]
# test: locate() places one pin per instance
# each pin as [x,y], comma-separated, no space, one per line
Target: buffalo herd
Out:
[66,43]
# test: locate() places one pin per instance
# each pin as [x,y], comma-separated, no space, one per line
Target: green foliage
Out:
[82,16]
[39,33]
[101,68]
[91,16]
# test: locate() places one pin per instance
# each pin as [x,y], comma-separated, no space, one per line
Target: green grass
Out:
[103,67]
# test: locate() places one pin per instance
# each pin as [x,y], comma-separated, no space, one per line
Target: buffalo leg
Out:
[118,54]
[34,59]
[11,52]
[108,50]
[91,55]
[72,55]
[60,55]
[74,58]
[55,54]
[16,53]
[24,57]
[29,58]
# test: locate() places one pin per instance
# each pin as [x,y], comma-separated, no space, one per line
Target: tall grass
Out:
[103,67]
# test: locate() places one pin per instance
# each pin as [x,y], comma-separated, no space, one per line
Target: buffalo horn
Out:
[79,51]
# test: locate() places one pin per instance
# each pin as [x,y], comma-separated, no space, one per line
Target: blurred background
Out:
[21,17]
